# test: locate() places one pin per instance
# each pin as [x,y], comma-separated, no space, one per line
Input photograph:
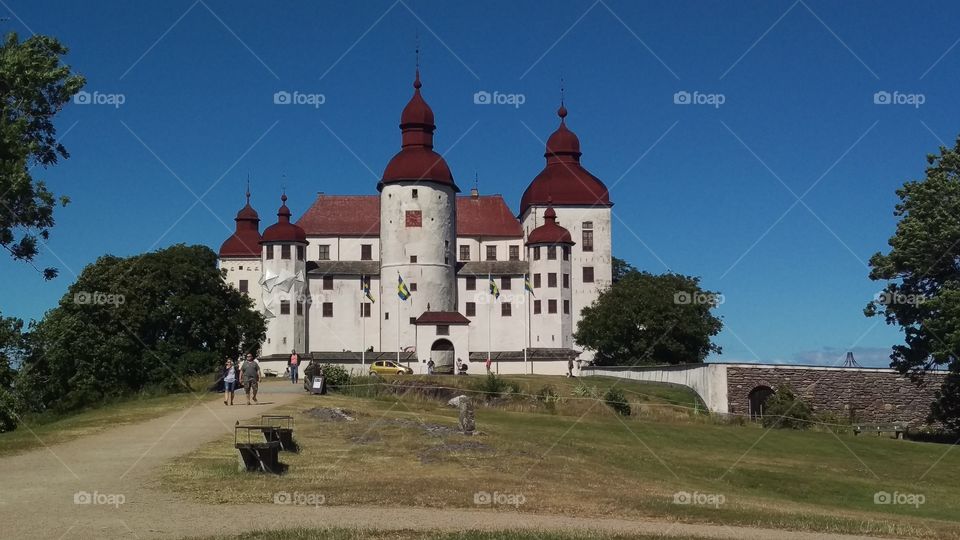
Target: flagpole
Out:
[489,317]
[363,326]
[526,324]
[398,322]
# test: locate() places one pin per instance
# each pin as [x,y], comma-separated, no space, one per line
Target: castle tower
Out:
[240,254]
[549,249]
[417,227]
[582,204]
[283,284]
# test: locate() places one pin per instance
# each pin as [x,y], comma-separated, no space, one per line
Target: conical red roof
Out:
[283,230]
[550,232]
[245,241]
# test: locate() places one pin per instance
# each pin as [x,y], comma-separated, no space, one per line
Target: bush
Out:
[616,400]
[492,386]
[785,410]
[336,375]
[547,396]
[582,390]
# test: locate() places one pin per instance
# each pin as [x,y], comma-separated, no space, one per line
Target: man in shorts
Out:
[250,376]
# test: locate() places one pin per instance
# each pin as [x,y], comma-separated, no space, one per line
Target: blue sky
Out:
[700,189]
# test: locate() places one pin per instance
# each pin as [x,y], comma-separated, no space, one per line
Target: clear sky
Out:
[776,188]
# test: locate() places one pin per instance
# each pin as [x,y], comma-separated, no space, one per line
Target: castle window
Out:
[365,310]
[536,281]
[413,259]
[566,281]
[491,253]
[552,279]
[566,307]
[366,252]
[505,283]
[239,267]
[587,240]
[284,307]
[588,274]
[551,306]
[552,253]
[471,283]
[285,251]
[443,329]
[536,307]
[415,194]
[514,253]
[413,287]
[386,315]
[566,253]
[269,252]
[327,309]
[244,286]
[414,218]
[328,283]
[464,253]
[301,255]
[505,309]
[324,252]
[299,308]
[471,309]
[536,253]
[413,320]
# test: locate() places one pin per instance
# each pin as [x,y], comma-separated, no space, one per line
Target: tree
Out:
[621,268]
[34,86]
[922,295]
[786,411]
[645,319]
[132,323]
[11,350]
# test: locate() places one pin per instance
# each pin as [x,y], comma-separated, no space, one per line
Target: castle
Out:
[421,272]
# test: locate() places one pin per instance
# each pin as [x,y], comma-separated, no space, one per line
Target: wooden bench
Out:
[279,427]
[896,429]
[257,454]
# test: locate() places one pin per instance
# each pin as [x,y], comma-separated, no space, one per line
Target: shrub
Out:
[616,400]
[785,410]
[582,390]
[547,396]
[336,375]
[492,386]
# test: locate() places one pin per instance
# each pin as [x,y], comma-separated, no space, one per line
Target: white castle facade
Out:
[329,283]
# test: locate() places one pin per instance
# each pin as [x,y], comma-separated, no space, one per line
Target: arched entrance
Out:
[758,401]
[442,354]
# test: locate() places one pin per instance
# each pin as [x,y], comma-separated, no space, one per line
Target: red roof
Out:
[244,243]
[442,317]
[283,230]
[359,215]
[564,180]
[550,232]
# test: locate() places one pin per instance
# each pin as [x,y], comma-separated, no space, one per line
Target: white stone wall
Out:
[343,248]
[248,269]
[478,247]
[551,330]
[434,245]
[346,330]
[284,332]
[489,328]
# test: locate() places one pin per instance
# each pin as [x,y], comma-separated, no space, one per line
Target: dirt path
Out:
[38,488]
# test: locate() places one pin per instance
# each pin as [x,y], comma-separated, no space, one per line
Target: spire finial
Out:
[562,111]
[416,83]
[248,188]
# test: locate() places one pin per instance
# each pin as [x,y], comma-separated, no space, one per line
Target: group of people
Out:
[246,373]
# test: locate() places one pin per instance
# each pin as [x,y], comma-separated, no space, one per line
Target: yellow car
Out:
[385,367]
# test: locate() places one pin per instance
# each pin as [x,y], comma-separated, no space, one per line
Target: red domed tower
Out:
[418,220]
[240,254]
[549,252]
[284,285]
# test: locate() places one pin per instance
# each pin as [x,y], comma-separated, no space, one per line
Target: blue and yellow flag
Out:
[494,290]
[365,286]
[402,291]
[527,285]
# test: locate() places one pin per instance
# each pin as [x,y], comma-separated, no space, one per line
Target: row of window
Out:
[285,252]
[506,310]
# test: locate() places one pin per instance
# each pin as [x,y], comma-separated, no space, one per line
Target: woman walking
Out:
[229,377]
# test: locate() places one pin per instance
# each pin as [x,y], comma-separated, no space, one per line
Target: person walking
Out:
[570,367]
[459,367]
[250,377]
[229,374]
[488,363]
[430,366]
[293,364]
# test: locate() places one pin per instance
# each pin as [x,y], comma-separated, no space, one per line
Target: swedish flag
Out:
[365,285]
[527,285]
[402,291]
[494,290]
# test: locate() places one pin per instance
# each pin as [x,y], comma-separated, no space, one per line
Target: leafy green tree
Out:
[34,86]
[11,350]
[785,410]
[649,319]
[922,295]
[621,268]
[132,323]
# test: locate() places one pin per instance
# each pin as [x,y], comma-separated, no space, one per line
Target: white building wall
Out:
[244,269]
[478,247]
[345,330]
[709,381]
[550,330]
[284,332]
[489,327]
[343,248]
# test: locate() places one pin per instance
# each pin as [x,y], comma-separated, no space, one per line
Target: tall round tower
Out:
[549,251]
[418,217]
[283,281]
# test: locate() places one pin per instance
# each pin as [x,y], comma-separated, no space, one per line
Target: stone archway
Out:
[442,354]
[758,401]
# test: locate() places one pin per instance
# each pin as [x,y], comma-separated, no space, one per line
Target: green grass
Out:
[354,534]
[49,429]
